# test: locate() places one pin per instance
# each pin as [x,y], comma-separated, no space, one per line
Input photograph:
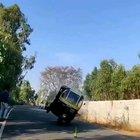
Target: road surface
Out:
[29,123]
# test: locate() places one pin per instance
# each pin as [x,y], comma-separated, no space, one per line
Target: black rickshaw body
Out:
[65,104]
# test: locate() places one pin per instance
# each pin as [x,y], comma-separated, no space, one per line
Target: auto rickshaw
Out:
[65,104]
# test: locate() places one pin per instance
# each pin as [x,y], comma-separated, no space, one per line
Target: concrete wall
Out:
[123,113]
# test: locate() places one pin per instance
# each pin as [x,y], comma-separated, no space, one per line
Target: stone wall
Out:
[123,114]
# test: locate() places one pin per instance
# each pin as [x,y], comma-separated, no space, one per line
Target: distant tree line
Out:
[113,82]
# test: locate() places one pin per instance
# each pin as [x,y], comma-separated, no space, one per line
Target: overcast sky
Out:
[81,33]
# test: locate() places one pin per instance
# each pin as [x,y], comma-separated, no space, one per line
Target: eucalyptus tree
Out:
[14,36]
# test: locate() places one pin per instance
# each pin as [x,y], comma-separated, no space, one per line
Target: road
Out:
[29,123]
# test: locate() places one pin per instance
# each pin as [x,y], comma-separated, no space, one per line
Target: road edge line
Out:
[4,123]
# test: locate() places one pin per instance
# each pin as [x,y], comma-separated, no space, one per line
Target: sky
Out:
[81,33]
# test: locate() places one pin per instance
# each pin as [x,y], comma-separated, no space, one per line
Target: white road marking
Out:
[4,123]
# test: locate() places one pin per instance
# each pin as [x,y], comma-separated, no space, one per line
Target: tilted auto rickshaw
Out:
[65,104]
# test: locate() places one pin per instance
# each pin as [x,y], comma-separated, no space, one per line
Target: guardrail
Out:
[4,109]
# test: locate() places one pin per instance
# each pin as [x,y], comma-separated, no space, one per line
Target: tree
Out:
[54,77]
[15,98]
[93,85]
[87,87]
[131,84]
[90,83]
[112,82]
[97,84]
[26,93]
[102,91]
[116,80]
[14,33]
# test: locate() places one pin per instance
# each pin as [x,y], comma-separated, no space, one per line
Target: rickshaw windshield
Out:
[72,97]
[65,93]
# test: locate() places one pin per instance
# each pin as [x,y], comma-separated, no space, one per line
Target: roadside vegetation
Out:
[112,81]
[14,38]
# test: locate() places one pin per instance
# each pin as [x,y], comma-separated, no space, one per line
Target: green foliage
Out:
[14,33]
[103,80]
[87,85]
[131,84]
[10,67]
[24,93]
[90,83]
[15,94]
[117,76]
[112,82]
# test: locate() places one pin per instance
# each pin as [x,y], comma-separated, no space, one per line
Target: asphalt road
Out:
[28,123]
